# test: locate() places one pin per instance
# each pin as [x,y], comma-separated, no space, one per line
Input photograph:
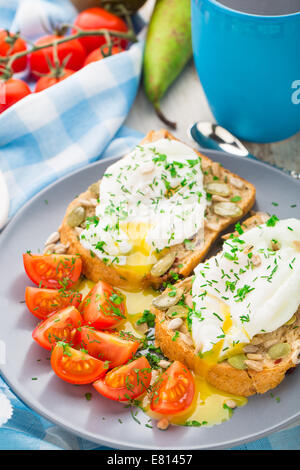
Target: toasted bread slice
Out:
[262,372]
[221,213]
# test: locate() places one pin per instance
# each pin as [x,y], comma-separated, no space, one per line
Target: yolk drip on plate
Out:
[209,404]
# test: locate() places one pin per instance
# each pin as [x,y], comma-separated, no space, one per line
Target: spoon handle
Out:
[240,150]
[293,173]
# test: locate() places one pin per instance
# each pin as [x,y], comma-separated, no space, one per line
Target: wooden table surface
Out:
[185,103]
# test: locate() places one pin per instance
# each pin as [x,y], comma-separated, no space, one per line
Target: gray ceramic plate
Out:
[65,404]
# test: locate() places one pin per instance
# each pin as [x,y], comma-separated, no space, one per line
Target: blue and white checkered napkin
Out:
[49,134]
[44,137]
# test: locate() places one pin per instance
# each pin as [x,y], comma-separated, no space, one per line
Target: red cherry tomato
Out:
[60,326]
[97,54]
[107,346]
[52,271]
[48,81]
[126,382]
[174,390]
[76,367]
[38,62]
[42,302]
[12,91]
[6,49]
[103,307]
[98,18]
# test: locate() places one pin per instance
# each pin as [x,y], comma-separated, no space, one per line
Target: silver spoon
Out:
[213,136]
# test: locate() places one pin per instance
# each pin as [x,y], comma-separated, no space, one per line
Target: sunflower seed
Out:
[254,365]
[231,404]
[88,202]
[186,339]
[175,323]
[254,357]
[53,238]
[61,249]
[164,364]
[236,182]
[250,348]
[49,249]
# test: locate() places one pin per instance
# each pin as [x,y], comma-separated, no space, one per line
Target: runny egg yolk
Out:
[141,257]
[209,404]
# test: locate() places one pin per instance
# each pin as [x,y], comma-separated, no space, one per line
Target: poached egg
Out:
[251,287]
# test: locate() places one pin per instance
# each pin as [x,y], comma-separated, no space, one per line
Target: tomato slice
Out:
[126,382]
[42,302]
[107,346]
[60,326]
[174,390]
[76,367]
[53,271]
[103,307]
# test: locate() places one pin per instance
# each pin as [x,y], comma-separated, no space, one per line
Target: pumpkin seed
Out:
[227,209]
[94,189]
[76,216]
[163,265]
[165,301]
[238,361]
[291,320]
[177,311]
[220,189]
[279,350]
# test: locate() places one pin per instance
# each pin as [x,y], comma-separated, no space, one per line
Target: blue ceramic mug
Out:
[249,65]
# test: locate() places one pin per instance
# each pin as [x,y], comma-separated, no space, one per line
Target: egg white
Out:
[235,299]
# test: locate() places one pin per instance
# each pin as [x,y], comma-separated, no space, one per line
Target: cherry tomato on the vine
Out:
[98,18]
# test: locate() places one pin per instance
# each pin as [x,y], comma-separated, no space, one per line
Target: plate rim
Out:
[125,444]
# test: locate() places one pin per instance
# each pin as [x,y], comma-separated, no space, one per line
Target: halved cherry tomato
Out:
[174,390]
[126,382]
[107,346]
[53,271]
[49,80]
[60,326]
[38,62]
[42,302]
[75,367]
[98,18]
[103,307]
[97,54]
[12,91]
[7,49]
